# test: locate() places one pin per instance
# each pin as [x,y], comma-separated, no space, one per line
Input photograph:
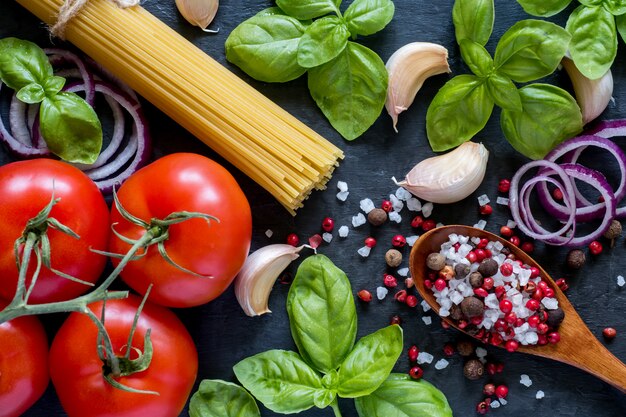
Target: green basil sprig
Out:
[594,26]
[69,126]
[281,44]
[216,398]
[330,364]
[529,50]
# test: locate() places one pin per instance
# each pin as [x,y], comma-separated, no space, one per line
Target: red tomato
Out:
[76,369]
[26,188]
[185,182]
[23,364]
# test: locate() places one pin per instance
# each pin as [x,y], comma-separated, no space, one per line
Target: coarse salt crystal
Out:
[531,338]
[481,224]
[441,364]
[491,301]
[444,312]
[540,394]
[381,292]
[327,237]
[525,380]
[456,297]
[403,272]
[481,352]
[483,199]
[364,251]
[425,306]
[395,217]
[503,201]
[269,233]
[413,204]
[424,357]
[342,195]
[342,186]
[403,194]
[620,281]
[494,404]
[396,203]
[358,220]
[343,231]
[550,303]
[503,401]
[410,240]
[367,205]
[439,224]
[427,209]
[511,224]
[427,320]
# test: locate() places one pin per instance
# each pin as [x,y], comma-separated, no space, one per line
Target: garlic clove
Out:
[593,96]
[258,274]
[450,177]
[408,68]
[198,12]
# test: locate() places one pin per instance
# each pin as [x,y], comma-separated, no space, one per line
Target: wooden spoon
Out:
[574,333]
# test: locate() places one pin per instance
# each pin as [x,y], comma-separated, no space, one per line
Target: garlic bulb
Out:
[408,68]
[256,279]
[593,96]
[198,12]
[450,177]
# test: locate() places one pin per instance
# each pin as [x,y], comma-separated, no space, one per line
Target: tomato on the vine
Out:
[26,188]
[23,364]
[77,370]
[216,249]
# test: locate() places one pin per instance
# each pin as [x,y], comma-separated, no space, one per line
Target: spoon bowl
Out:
[594,358]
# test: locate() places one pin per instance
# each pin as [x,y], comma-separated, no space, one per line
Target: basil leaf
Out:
[322,41]
[504,92]
[323,398]
[531,49]
[401,396]
[549,116]
[370,362]
[71,128]
[308,9]
[53,85]
[31,93]
[591,2]
[459,110]
[280,380]
[366,17]
[216,398]
[544,8]
[23,63]
[476,57]
[351,89]
[594,40]
[620,22]
[615,7]
[266,47]
[322,314]
[473,20]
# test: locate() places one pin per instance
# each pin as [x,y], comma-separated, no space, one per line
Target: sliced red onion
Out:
[570,150]
[18,121]
[609,128]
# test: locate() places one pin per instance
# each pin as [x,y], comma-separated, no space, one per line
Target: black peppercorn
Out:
[435,261]
[576,259]
[472,307]
[476,279]
[393,257]
[488,267]
[377,217]
[473,369]
[461,270]
[465,348]
[555,317]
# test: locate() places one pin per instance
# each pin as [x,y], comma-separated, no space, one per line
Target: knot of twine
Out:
[71,8]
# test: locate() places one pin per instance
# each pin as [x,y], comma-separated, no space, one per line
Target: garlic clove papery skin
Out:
[198,12]
[450,177]
[408,68]
[255,281]
[593,96]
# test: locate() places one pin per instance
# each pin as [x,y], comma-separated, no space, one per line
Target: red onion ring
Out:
[57,56]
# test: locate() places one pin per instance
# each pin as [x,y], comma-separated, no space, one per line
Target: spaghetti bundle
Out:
[265,142]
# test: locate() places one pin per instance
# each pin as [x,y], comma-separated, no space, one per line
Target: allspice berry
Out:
[472,307]
[614,231]
[473,369]
[555,317]
[377,217]
[393,257]
[488,267]
[435,261]
[576,259]
[476,279]
[461,270]
[465,348]
[455,312]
